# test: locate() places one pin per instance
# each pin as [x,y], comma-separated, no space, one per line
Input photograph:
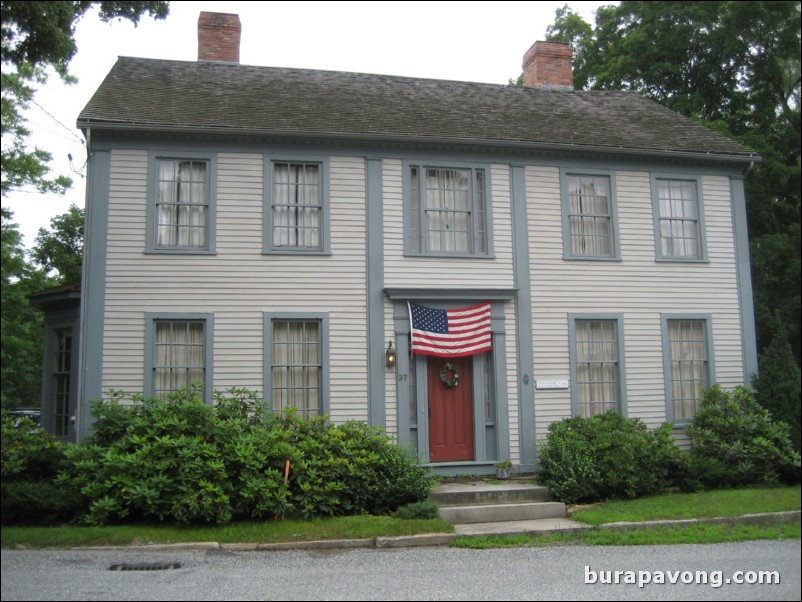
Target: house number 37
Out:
[402,377]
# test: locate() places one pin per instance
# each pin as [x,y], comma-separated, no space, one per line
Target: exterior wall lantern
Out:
[390,356]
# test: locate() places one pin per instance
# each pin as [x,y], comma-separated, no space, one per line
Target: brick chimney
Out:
[548,65]
[218,37]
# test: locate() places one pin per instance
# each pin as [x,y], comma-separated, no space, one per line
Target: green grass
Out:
[704,534]
[706,504]
[348,527]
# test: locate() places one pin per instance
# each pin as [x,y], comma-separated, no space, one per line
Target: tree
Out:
[60,251]
[37,36]
[20,322]
[735,67]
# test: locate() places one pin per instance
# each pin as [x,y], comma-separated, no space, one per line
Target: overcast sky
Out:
[468,41]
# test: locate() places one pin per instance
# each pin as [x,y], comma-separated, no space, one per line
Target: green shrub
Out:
[427,509]
[31,459]
[607,456]
[740,441]
[181,460]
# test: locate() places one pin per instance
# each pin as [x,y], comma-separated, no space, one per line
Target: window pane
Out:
[679,218]
[689,365]
[297,205]
[179,358]
[590,216]
[182,204]
[596,355]
[297,365]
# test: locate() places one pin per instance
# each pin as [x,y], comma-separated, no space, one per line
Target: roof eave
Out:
[746,158]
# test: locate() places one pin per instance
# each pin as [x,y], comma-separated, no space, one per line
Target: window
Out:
[688,365]
[297,206]
[182,204]
[589,210]
[178,354]
[448,211]
[595,366]
[678,219]
[296,373]
[62,371]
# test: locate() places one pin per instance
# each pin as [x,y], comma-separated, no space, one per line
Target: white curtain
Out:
[183,204]
[589,215]
[688,350]
[679,218]
[297,205]
[297,366]
[448,210]
[179,358]
[596,367]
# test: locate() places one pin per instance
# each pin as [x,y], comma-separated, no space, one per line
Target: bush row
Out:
[181,460]
[734,442]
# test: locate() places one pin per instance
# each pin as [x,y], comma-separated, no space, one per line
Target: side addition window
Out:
[589,217]
[448,211]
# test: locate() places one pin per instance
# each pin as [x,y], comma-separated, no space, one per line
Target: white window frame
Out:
[269,245]
[322,319]
[152,234]
[617,320]
[612,215]
[669,361]
[661,219]
[480,236]
[151,321]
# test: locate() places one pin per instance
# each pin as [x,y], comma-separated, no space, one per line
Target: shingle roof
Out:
[230,97]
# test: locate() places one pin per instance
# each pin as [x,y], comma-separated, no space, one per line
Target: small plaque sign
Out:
[552,384]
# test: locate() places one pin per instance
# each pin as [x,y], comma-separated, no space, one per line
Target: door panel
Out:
[450,411]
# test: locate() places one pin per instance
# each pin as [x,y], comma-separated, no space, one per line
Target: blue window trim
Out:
[707,320]
[268,248]
[409,245]
[618,318]
[323,319]
[208,338]
[153,174]
[615,253]
[701,231]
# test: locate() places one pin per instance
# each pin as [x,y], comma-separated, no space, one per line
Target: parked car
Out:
[34,415]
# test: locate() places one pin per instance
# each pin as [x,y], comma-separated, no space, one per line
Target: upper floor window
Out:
[182,204]
[448,211]
[678,219]
[588,207]
[296,209]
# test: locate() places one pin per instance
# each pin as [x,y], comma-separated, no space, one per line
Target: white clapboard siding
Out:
[238,284]
[637,287]
[453,272]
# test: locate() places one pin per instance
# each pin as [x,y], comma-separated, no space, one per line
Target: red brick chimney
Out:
[548,65]
[218,37]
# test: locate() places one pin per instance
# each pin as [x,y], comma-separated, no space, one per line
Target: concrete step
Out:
[487,513]
[484,492]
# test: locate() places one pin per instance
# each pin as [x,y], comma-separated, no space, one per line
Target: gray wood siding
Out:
[446,272]
[637,286]
[239,283]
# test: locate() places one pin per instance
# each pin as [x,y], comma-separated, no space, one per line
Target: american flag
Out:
[450,332]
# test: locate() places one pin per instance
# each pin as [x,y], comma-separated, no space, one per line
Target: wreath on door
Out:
[445,370]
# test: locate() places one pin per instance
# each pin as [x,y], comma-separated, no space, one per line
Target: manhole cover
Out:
[145,566]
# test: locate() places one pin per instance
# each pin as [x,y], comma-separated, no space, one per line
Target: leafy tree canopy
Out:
[60,250]
[37,36]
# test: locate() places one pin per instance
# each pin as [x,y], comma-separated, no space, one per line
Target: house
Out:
[275,229]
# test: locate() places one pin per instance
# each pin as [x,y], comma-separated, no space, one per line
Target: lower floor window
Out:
[179,355]
[297,366]
[596,353]
[687,348]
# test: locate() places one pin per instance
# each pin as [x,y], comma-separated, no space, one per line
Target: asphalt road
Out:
[432,573]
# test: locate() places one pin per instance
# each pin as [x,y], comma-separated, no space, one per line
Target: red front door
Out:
[450,410]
